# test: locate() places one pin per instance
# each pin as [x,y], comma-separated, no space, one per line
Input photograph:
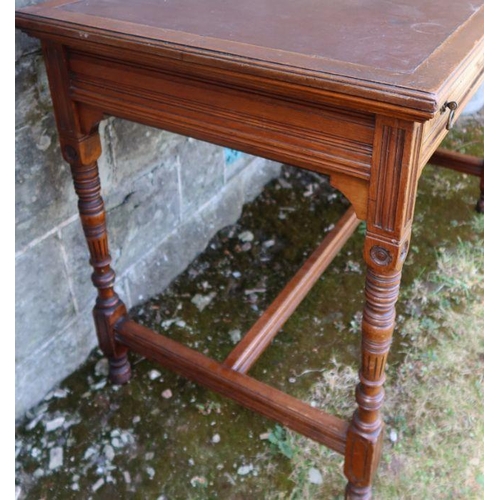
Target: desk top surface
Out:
[402,43]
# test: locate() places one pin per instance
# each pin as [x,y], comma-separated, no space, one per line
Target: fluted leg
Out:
[81,147]
[392,193]
[364,440]
[108,308]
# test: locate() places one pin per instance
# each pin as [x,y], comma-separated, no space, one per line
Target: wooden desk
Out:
[361,91]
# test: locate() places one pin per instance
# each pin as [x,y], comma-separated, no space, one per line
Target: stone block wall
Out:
[166,196]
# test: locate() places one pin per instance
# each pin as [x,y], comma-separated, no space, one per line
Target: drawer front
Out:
[435,130]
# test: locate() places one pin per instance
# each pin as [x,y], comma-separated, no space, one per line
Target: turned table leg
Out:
[364,439]
[108,308]
[80,144]
[391,201]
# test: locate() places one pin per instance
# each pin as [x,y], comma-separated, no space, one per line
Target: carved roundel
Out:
[70,153]
[380,256]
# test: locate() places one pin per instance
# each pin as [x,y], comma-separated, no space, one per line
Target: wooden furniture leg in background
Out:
[480,202]
[81,147]
[466,164]
[108,308]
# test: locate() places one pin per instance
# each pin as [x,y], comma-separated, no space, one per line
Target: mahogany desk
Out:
[361,91]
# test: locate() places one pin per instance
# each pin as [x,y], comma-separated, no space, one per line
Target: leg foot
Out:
[353,492]
[480,205]
[119,369]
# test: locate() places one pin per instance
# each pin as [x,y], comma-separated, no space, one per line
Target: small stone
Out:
[167,394]
[49,395]
[202,301]
[75,487]
[56,458]
[246,236]
[126,476]
[198,481]
[235,335]
[173,321]
[253,298]
[126,437]
[253,291]
[236,274]
[31,425]
[149,455]
[41,409]
[292,380]
[102,367]
[116,442]
[154,374]
[216,438]
[61,393]
[97,484]
[52,425]
[89,452]
[244,470]
[315,476]
[246,246]
[39,473]
[109,452]
[264,435]
[151,472]
[99,385]
[268,243]
[309,191]
[43,142]
[393,436]
[36,452]
[284,184]
[136,419]
[166,324]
